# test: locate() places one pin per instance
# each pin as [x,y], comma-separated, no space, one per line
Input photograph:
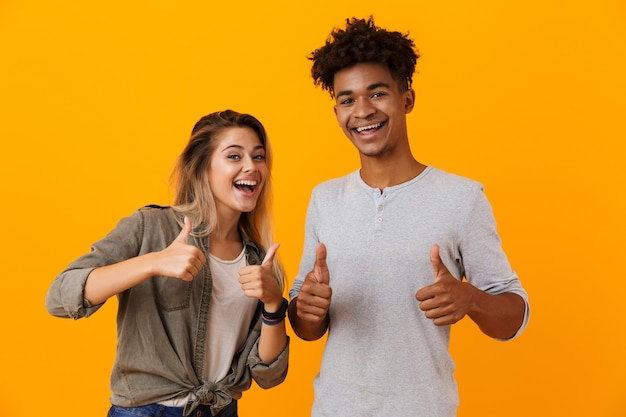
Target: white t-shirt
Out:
[230,315]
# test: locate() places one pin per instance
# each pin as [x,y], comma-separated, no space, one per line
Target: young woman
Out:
[201,311]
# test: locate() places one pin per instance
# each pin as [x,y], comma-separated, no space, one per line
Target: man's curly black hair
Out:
[362,41]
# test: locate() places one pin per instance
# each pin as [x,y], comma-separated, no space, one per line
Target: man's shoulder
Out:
[337,183]
[443,178]
[349,178]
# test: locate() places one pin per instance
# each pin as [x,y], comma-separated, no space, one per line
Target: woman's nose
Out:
[248,165]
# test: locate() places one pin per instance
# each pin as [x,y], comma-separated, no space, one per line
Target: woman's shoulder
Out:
[156,211]
[151,217]
[156,208]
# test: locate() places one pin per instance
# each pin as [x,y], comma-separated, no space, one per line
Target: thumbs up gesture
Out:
[447,300]
[257,281]
[180,259]
[313,300]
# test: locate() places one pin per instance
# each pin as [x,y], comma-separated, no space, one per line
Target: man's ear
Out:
[409,100]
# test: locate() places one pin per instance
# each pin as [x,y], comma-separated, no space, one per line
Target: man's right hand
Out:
[313,300]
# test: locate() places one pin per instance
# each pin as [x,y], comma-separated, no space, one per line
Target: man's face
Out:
[371,109]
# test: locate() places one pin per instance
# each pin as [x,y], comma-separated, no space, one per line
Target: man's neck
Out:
[380,173]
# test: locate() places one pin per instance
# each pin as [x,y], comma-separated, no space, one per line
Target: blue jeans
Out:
[158,410]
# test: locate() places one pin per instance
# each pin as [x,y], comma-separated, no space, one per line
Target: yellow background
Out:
[98,98]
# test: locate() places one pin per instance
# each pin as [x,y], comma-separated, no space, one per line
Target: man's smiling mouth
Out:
[374,126]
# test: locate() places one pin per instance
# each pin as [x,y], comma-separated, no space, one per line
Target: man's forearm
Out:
[498,316]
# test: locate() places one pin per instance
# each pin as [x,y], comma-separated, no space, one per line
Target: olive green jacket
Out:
[162,322]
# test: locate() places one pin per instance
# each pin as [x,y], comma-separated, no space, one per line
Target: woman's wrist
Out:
[275,315]
[274,306]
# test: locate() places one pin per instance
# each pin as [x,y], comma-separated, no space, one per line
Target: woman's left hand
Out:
[257,281]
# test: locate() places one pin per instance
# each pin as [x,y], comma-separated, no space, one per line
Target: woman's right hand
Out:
[180,259]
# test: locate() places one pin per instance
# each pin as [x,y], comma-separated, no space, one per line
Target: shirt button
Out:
[379,219]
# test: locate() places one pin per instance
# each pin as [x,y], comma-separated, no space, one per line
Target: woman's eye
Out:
[260,157]
[234,156]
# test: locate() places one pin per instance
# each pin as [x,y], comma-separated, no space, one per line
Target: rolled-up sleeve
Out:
[272,374]
[65,297]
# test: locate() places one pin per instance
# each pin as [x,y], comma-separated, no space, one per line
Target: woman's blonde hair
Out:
[194,198]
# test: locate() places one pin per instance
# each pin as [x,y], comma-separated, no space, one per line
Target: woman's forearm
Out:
[272,341]
[107,281]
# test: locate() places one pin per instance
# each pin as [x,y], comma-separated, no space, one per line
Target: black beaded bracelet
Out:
[272,319]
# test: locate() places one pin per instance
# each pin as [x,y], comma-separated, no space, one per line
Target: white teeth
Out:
[362,128]
[245,182]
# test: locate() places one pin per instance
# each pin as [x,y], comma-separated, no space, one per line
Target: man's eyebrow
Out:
[369,88]
[378,85]
[343,93]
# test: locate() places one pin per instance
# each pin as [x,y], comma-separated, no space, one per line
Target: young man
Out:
[395,252]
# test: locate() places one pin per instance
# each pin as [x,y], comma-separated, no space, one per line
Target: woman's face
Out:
[237,171]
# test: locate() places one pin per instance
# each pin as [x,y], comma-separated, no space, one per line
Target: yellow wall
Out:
[98,98]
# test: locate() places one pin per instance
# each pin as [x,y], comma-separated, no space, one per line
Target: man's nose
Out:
[363,108]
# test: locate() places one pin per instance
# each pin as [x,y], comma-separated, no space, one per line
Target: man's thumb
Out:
[435,260]
[183,236]
[321,268]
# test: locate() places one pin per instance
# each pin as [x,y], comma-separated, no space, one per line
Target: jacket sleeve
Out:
[266,375]
[65,297]
[269,375]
